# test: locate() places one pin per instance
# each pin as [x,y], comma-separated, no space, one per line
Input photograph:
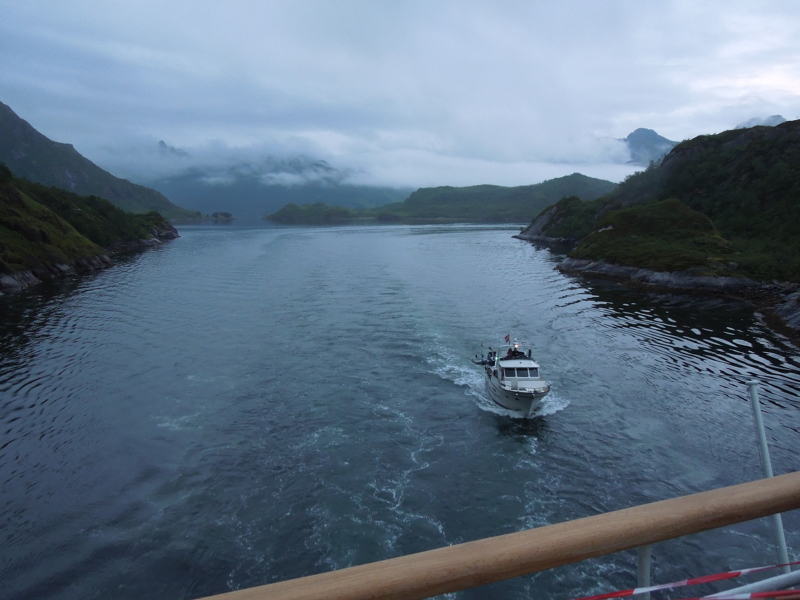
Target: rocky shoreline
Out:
[780,301]
[20,280]
[679,280]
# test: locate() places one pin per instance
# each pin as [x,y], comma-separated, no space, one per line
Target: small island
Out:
[222,217]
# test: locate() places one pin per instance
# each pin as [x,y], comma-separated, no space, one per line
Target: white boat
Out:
[512,378]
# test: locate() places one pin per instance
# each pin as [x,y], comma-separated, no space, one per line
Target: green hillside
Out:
[30,154]
[663,236]
[41,226]
[745,182]
[475,204]
[494,203]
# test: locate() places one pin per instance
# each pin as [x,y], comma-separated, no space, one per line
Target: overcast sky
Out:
[397,93]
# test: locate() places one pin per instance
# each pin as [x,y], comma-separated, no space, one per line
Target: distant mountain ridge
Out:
[447,204]
[497,203]
[246,194]
[770,121]
[646,146]
[32,155]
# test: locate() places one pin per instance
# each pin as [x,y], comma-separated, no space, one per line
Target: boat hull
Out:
[513,399]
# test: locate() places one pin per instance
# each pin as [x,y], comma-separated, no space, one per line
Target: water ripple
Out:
[247,405]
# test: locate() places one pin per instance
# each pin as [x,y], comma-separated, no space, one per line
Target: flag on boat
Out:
[508,338]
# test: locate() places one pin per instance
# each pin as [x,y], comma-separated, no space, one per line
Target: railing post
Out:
[766,467]
[644,570]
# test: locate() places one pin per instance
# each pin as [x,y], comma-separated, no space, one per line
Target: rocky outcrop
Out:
[779,300]
[680,280]
[789,310]
[15,282]
[166,231]
[163,232]
[535,231]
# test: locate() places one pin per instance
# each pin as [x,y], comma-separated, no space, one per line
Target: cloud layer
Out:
[406,94]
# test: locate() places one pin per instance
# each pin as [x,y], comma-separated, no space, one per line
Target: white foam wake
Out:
[551,404]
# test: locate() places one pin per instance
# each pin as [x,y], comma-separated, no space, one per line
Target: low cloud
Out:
[393,165]
[403,94]
[767,121]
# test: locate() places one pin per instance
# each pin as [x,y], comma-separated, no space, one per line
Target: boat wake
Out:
[551,404]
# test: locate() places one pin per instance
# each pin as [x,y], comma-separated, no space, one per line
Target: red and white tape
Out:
[697,581]
[752,595]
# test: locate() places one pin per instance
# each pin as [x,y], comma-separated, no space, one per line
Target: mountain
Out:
[30,154]
[252,190]
[646,146]
[475,204]
[724,204]
[47,232]
[756,121]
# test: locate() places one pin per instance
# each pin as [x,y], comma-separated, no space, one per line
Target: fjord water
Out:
[251,404]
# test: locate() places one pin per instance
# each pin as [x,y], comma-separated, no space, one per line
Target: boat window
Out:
[509,372]
[534,372]
[522,372]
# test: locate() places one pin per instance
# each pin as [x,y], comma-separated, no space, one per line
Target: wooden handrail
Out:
[484,561]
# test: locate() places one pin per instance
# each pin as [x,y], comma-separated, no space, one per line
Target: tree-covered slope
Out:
[41,226]
[663,236]
[747,182]
[30,154]
[475,204]
[494,203]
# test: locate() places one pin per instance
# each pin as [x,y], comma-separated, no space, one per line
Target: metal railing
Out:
[463,566]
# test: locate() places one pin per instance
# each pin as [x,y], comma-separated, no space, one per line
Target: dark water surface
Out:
[248,405]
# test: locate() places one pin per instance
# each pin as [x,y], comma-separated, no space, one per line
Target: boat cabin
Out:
[529,370]
[516,370]
[514,363]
